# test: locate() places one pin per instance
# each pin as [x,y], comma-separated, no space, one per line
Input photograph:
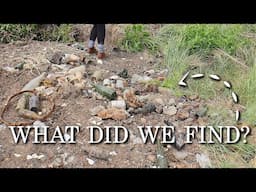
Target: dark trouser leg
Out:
[101,30]
[93,36]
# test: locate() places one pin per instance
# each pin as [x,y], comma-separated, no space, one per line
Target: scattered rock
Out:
[123,74]
[112,153]
[119,84]
[95,121]
[57,58]
[106,82]
[87,93]
[143,120]
[180,155]
[131,99]
[114,77]
[179,141]
[113,113]
[149,72]
[99,61]
[120,104]
[169,110]
[67,137]
[148,108]
[17,155]
[90,161]
[203,160]
[34,156]
[171,101]
[57,162]
[159,109]
[202,111]
[98,75]
[164,91]
[2,127]
[193,97]
[151,158]
[159,101]
[182,115]
[98,153]
[137,78]
[94,111]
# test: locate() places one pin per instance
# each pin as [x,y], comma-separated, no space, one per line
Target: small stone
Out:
[201,112]
[112,153]
[2,127]
[203,160]
[143,120]
[119,84]
[114,77]
[64,105]
[90,161]
[159,109]
[193,97]
[120,104]
[70,159]
[149,72]
[158,101]
[94,111]
[179,141]
[182,115]
[106,82]
[17,155]
[151,158]
[180,155]
[99,61]
[164,91]
[169,110]
[95,121]
[67,137]
[171,101]
[136,78]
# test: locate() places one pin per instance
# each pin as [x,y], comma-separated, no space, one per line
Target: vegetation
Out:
[137,38]
[14,32]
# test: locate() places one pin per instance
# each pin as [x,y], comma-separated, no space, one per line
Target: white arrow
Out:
[181,82]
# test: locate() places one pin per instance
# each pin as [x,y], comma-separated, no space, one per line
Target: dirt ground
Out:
[74,108]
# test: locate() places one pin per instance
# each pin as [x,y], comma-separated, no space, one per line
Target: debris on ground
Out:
[113,113]
[203,160]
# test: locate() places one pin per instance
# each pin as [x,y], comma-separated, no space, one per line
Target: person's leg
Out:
[101,30]
[93,36]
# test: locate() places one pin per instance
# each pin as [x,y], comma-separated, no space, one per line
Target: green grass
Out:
[14,32]
[195,48]
[137,38]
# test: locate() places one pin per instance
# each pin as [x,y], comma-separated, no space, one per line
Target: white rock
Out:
[17,155]
[119,84]
[95,121]
[113,153]
[106,82]
[34,156]
[114,77]
[99,61]
[169,110]
[120,104]
[64,105]
[90,161]
[67,137]
[10,69]
[203,160]
[2,126]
